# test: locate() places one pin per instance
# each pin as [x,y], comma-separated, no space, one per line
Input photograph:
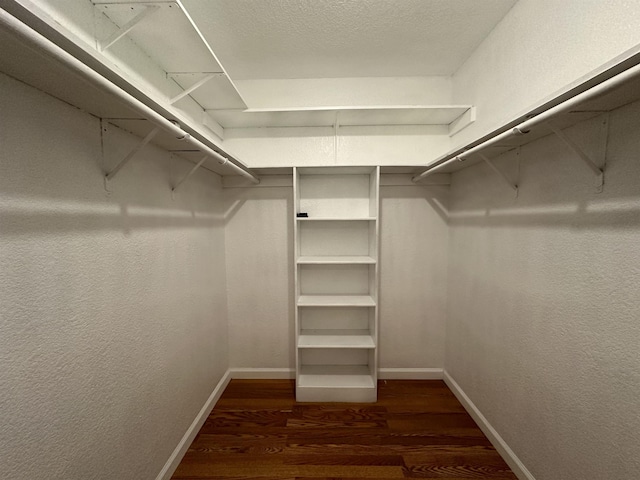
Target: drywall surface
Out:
[259,257]
[333,92]
[542,329]
[413,270]
[113,313]
[539,48]
[259,234]
[353,145]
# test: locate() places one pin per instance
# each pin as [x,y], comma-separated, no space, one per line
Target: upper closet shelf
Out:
[342,116]
[617,86]
[79,76]
[166,33]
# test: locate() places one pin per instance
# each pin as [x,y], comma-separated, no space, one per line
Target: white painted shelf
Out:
[336,301]
[336,260]
[336,219]
[335,339]
[153,37]
[335,376]
[346,116]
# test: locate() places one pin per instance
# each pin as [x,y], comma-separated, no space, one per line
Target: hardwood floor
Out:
[417,429]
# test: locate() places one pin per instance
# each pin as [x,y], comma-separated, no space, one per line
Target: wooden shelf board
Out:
[336,301]
[335,376]
[336,260]
[335,339]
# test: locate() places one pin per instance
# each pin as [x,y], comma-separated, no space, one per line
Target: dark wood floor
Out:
[417,429]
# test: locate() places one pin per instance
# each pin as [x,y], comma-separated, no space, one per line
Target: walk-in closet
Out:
[319,239]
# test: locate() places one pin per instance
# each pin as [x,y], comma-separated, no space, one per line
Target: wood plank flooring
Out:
[417,429]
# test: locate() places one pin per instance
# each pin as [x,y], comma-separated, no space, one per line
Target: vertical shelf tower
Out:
[336,282]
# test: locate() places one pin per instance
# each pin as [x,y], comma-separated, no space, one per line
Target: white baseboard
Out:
[410,373]
[494,437]
[176,457]
[383,373]
[263,373]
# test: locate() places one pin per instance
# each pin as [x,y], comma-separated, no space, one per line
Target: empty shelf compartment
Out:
[335,376]
[336,301]
[336,260]
[335,339]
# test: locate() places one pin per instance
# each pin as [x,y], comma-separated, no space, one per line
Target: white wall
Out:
[319,146]
[543,328]
[538,49]
[259,233]
[413,271]
[113,314]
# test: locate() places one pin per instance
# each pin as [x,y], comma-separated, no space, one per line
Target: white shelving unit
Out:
[336,282]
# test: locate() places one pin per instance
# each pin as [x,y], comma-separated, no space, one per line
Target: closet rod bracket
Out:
[191,172]
[500,173]
[127,27]
[582,155]
[194,87]
[130,156]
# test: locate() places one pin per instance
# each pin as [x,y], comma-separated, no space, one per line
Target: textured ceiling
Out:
[344,38]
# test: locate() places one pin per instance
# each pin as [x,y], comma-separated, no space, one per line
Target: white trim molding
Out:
[492,434]
[410,373]
[263,373]
[184,444]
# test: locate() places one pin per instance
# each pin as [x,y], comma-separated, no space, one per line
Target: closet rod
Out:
[526,126]
[40,44]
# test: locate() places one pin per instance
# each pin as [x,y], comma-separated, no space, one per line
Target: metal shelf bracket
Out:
[132,153]
[194,87]
[582,155]
[191,172]
[127,27]
[500,173]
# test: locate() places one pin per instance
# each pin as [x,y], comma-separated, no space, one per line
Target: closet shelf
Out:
[198,74]
[81,75]
[335,219]
[336,301]
[343,116]
[335,376]
[617,87]
[337,260]
[335,339]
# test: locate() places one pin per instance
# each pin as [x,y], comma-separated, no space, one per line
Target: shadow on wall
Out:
[437,196]
[52,182]
[55,220]
[65,191]
[25,215]
[260,280]
[555,188]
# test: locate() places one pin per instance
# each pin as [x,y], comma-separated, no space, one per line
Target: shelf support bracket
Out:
[191,172]
[194,87]
[597,171]
[127,27]
[132,153]
[500,173]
